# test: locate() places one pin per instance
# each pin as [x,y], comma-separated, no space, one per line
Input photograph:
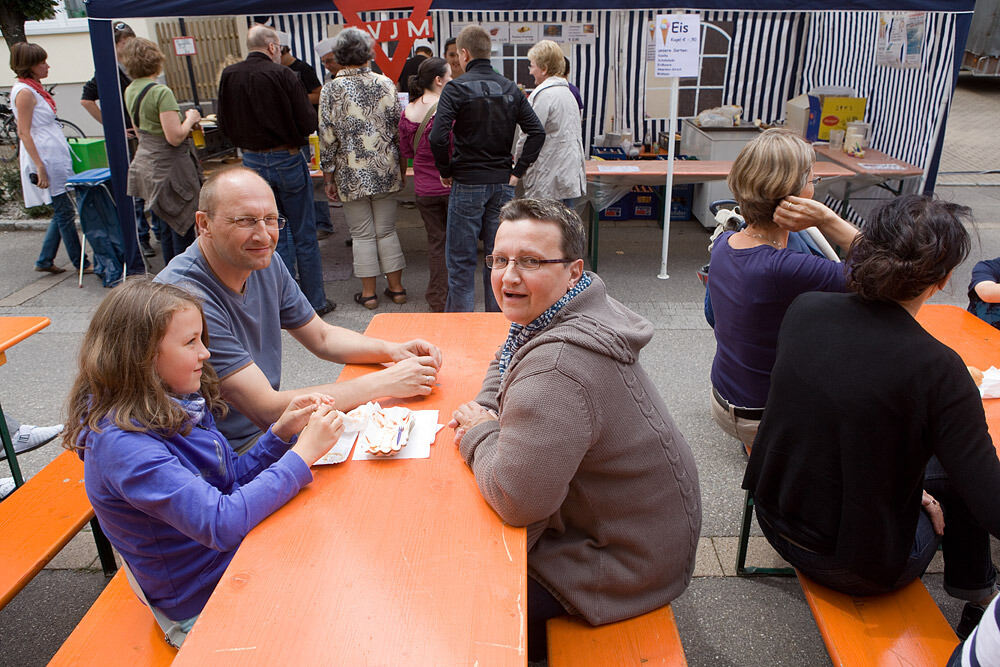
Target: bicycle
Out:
[10,144]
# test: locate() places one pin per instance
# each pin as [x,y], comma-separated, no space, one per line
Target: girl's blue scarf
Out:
[193,405]
[521,334]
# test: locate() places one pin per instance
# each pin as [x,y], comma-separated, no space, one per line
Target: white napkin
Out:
[990,386]
[422,434]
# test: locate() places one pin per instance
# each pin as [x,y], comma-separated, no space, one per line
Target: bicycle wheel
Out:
[70,130]
[9,143]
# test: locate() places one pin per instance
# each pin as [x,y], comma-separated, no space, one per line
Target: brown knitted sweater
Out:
[587,457]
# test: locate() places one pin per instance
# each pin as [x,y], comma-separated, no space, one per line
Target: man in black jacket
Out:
[482,110]
[264,110]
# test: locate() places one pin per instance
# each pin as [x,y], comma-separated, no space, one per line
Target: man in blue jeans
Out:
[263,109]
[480,111]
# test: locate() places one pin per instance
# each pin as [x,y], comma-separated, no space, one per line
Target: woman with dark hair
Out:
[359,154]
[432,194]
[874,443]
[44,158]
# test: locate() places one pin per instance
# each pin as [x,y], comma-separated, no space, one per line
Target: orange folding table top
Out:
[388,562]
[15,329]
[975,341]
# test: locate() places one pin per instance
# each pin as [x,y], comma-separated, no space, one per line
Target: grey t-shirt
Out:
[245,328]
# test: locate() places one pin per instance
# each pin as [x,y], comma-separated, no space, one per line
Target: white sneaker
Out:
[6,487]
[29,437]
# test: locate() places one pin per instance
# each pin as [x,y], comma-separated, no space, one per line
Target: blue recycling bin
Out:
[99,220]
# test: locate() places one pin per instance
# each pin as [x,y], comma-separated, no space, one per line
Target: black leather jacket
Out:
[482,109]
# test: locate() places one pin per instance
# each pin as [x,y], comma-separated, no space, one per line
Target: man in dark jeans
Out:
[264,109]
[89,99]
[482,109]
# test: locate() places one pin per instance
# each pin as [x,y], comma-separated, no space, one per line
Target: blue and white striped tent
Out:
[774,54]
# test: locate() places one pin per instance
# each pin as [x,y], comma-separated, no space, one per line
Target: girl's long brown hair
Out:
[117,378]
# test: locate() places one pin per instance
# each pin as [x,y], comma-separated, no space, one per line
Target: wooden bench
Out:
[117,630]
[650,639]
[39,518]
[901,628]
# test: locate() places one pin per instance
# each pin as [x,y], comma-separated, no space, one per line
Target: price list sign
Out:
[677,38]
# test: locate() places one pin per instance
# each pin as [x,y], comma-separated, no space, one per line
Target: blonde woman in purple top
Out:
[432,194]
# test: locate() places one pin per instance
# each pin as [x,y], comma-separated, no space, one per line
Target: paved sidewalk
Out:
[723,620]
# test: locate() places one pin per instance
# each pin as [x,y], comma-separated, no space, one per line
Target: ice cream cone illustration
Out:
[664,29]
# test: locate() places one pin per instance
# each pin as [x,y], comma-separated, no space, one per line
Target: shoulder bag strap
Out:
[138,103]
[423,126]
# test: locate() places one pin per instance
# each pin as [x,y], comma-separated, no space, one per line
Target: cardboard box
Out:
[833,113]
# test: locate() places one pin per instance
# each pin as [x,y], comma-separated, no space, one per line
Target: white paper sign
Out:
[581,33]
[498,32]
[678,43]
[184,46]
[524,33]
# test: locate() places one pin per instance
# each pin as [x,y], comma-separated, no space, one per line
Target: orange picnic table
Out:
[12,331]
[389,562]
[976,342]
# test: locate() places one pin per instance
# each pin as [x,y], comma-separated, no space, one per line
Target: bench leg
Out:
[104,549]
[8,448]
[744,542]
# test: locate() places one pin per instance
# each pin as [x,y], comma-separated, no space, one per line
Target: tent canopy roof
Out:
[149,8]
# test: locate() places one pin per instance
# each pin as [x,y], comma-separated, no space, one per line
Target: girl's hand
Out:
[323,430]
[43,177]
[297,414]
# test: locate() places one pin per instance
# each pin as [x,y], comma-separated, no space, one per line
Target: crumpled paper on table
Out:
[421,435]
[990,386]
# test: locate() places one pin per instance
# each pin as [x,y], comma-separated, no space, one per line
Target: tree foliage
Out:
[13,14]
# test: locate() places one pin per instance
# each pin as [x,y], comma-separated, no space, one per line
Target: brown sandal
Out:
[369,302]
[397,297]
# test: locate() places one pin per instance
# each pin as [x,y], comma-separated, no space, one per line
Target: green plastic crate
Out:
[87,153]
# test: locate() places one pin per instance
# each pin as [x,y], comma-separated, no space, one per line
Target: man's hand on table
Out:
[468,415]
[323,429]
[412,376]
[416,348]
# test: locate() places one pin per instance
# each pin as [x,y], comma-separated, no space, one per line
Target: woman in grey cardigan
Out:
[570,437]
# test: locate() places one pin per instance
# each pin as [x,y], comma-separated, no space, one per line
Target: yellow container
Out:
[314,152]
[198,136]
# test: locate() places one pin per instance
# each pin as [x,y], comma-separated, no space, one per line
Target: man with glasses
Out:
[264,110]
[248,299]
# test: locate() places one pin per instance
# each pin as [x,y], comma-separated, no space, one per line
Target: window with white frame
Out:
[71,16]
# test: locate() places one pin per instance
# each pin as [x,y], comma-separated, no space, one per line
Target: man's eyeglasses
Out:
[249,221]
[526,263]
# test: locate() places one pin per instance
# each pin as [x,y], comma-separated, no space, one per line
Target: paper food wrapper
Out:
[990,386]
[396,432]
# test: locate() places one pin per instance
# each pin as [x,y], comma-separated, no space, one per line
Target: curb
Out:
[34,225]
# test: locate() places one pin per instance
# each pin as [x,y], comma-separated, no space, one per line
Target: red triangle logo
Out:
[402,31]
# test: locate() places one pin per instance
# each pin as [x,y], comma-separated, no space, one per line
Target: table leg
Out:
[847,200]
[594,227]
[8,448]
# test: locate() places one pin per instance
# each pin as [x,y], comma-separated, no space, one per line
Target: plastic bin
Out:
[87,153]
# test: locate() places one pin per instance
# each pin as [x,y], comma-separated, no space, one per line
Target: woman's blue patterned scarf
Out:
[521,334]
[193,405]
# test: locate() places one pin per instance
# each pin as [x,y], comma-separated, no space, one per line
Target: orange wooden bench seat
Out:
[117,630]
[901,628]
[650,639]
[39,518]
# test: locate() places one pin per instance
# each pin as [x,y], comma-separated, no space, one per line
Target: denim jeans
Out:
[473,214]
[171,243]
[63,226]
[288,175]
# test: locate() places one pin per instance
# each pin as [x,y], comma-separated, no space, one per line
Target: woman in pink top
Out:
[432,196]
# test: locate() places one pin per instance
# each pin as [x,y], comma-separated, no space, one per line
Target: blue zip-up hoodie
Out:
[177,508]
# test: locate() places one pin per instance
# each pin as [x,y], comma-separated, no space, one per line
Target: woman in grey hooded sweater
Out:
[570,437]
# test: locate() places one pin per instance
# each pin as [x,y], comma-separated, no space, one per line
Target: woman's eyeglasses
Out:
[526,263]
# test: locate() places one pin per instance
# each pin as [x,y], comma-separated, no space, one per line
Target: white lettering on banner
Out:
[395,28]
